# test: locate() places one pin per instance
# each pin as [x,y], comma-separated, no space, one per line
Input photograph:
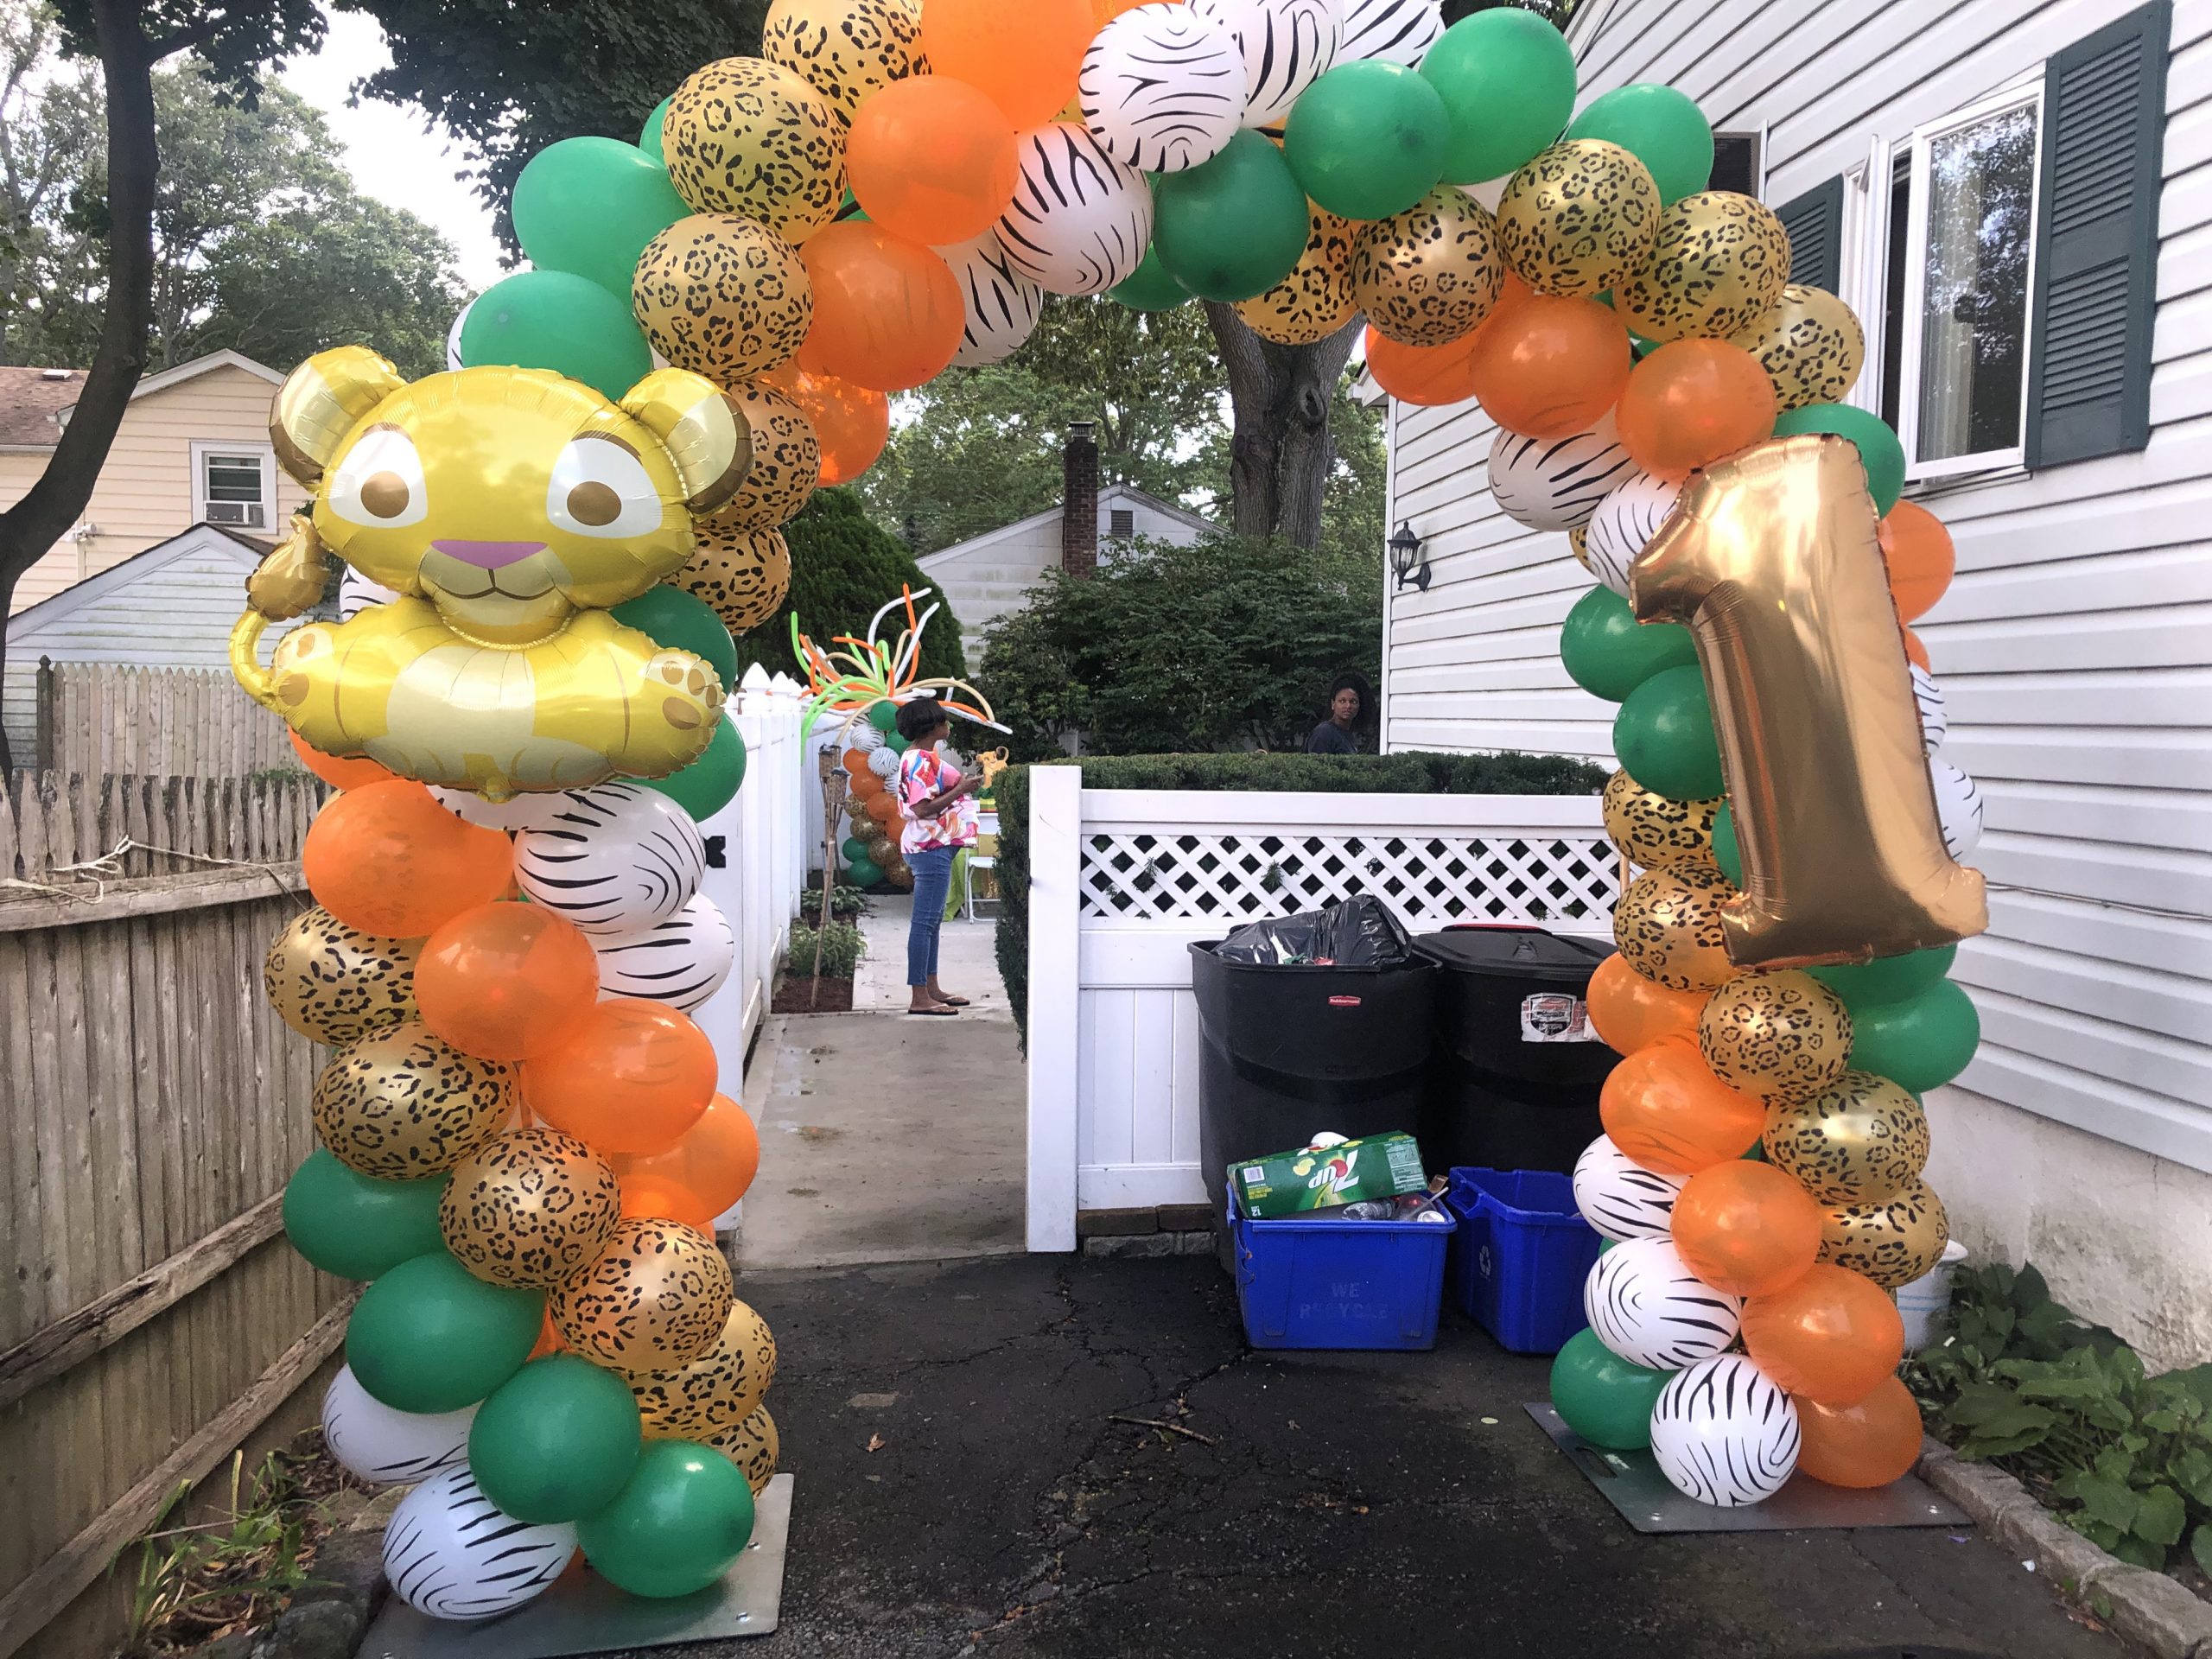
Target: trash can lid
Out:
[1530,953]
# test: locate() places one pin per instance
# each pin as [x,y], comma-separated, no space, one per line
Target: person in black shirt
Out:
[1347,709]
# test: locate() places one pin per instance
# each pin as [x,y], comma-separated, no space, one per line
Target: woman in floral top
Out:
[939,815]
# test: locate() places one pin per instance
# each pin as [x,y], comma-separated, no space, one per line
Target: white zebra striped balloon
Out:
[613,858]
[681,962]
[1958,806]
[524,812]
[1081,221]
[1162,88]
[1396,31]
[1002,304]
[1287,45]
[449,1553]
[1557,483]
[452,337]
[1935,718]
[372,1440]
[1629,517]
[1724,1433]
[1621,1199]
[862,736]
[1647,1307]
[884,763]
[356,593]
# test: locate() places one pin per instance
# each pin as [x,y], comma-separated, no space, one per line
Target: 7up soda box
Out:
[1322,1177]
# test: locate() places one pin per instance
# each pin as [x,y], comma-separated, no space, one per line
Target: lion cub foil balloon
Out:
[509,509]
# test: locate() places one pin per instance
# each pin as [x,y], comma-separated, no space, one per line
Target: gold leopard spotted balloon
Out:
[743,574]
[1721,264]
[1781,1036]
[715,1391]
[1861,1142]
[653,1300]
[1893,1242]
[746,137]
[1316,299]
[845,49]
[754,1446]
[722,296]
[1810,345]
[1580,218]
[399,1104]
[787,461]
[1668,927]
[1428,275]
[334,983]
[529,1209]
[1578,542]
[1655,833]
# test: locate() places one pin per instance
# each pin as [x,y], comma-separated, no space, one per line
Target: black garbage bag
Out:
[1356,933]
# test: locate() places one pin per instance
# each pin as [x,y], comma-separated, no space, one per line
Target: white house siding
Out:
[2075,649]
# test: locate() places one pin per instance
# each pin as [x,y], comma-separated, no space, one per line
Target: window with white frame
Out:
[234,486]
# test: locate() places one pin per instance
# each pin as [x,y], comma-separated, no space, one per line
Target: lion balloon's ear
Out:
[319,404]
[705,431]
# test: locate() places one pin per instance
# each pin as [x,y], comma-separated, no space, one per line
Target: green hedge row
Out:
[1383,774]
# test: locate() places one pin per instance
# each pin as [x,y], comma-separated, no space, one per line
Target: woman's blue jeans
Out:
[932,869]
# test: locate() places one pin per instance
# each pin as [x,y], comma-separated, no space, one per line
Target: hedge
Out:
[1384,775]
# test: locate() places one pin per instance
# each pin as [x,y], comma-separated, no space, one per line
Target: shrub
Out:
[840,950]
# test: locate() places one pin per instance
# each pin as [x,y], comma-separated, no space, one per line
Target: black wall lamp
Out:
[1407,559]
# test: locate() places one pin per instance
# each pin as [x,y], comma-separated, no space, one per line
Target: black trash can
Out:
[1514,1081]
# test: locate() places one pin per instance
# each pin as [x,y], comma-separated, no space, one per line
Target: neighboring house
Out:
[2051,161]
[987,575]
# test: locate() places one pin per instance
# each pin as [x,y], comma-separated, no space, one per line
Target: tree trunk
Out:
[1280,454]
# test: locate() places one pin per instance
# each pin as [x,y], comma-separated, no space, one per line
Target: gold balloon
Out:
[1668,926]
[1655,833]
[746,137]
[787,461]
[399,1104]
[723,297]
[1428,275]
[1316,299]
[1578,542]
[743,574]
[1894,1241]
[1860,1141]
[529,1209]
[334,983]
[717,1390]
[1580,218]
[1772,558]
[1810,345]
[1782,1036]
[754,1446]
[845,49]
[653,1300]
[1720,264]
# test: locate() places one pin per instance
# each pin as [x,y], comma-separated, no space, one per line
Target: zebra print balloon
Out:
[1002,304]
[1650,1309]
[862,736]
[681,962]
[450,1554]
[356,593]
[1935,718]
[372,1440]
[1958,806]
[1620,1198]
[1287,45]
[1629,517]
[1162,88]
[1080,221]
[1724,1433]
[453,339]
[1396,31]
[1557,483]
[884,763]
[525,811]
[613,858]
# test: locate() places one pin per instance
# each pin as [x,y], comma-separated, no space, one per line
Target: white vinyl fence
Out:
[1120,883]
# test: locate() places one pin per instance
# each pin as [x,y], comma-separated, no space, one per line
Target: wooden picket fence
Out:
[97,718]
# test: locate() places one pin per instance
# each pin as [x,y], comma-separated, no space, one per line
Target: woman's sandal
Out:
[954,1001]
[934,1013]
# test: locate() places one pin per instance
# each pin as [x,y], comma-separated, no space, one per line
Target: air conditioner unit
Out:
[246,515]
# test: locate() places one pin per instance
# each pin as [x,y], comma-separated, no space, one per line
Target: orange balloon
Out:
[1428,375]
[1746,1228]
[932,159]
[549,1339]
[1692,402]
[854,762]
[887,312]
[1628,1011]
[505,982]
[387,859]
[865,784]
[1024,55]
[1869,1444]
[1103,12]
[708,1169]
[1916,652]
[1548,365]
[337,771]
[1830,1335]
[1921,557]
[882,807]
[631,1077]
[1666,1110]
[851,423]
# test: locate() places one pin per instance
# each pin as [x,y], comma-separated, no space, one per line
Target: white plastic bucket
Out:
[1924,1299]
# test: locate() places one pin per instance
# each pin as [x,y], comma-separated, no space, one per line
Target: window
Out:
[1122,521]
[1736,163]
[234,486]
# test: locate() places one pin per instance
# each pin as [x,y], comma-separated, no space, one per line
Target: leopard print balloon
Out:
[1810,345]
[1862,1140]
[754,1446]
[1668,927]
[721,296]
[1892,1243]
[714,1392]
[529,1209]
[845,49]
[1316,299]
[333,983]
[399,1104]
[1719,266]
[1577,543]
[749,137]
[1781,1036]
[787,461]
[654,1300]
[1655,833]
[1427,276]
[743,574]
[1580,218]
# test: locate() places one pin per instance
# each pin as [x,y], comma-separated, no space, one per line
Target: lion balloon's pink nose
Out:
[488,556]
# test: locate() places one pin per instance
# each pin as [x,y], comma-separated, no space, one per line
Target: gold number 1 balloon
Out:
[1772,559]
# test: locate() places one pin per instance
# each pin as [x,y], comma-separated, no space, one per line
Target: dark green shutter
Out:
[2104,114]
[1814,221]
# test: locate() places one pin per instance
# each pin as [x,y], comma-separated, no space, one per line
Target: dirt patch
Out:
[809,995]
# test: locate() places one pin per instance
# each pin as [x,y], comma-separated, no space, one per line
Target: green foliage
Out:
[240,1567]
[847,903]
[843,568]
[840,947]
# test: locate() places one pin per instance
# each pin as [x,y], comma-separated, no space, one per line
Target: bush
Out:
[840,950]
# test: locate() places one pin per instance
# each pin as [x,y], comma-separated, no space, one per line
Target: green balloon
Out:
[556,1441]
[711,782]
[428,1336]
[884,716]
[1726,853]
[1664,736]
[681,1519]
[590,204]
[354,1225]
[854,848]
[649,137]
[1919,1044]
[865,872]
[1507,79]
[1887,979]
[1603,1397]
[681,621]
[1234,227]
[1661,128]
[1609,653]
[556,320]
[1368,139]
[897,743]
[1878,450]
[1149,287]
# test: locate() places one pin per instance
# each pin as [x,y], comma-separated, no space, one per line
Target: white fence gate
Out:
[1120,883]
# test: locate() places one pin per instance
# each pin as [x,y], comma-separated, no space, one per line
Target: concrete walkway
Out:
[966,965]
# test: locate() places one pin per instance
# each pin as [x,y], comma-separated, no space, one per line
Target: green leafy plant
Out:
[840,947]
[194,1581]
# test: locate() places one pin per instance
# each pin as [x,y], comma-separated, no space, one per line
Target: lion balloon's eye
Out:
[379,484]
[595,502]
[386,495]
[600,487]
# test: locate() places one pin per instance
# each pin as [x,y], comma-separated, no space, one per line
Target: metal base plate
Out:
[583,1613]
[1649,1502]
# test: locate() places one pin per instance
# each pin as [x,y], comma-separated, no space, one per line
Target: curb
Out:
[2148,1608]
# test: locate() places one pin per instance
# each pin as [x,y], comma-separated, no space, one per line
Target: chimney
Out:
[1079,501]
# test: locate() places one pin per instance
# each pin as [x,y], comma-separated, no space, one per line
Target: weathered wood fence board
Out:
[106,717]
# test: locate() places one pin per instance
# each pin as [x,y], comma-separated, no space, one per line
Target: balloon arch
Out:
[523,1151]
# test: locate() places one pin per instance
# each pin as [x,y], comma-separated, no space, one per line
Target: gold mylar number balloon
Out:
[1668,926]
[1720,265]
[723,297]
[1810,345]
[1580,218]
[746,137]
[743,574]
[334,983]
[399,1104]
[845,49]
[787,461]
[754,1446]
[1428,275]
[529,1209]
[1894,1241]
[1782,1036]
[1655,833]
[1861,1142]
[715,1391]
[653,1300]
[1316,299]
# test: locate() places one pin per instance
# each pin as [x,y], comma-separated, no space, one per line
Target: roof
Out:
[1108,495]
[200,538]
[33,401]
